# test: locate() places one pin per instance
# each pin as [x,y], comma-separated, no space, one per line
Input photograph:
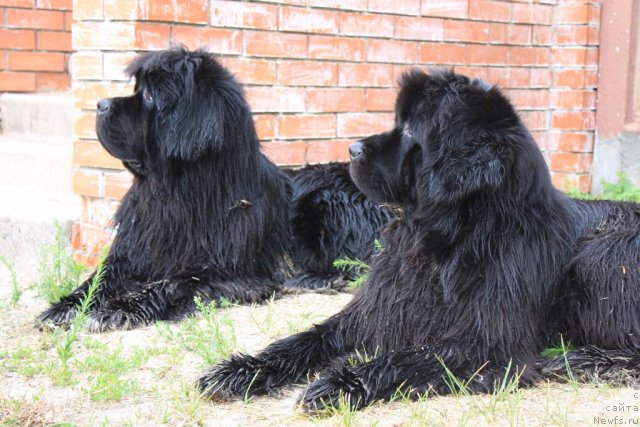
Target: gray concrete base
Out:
[613,155]
[36,149]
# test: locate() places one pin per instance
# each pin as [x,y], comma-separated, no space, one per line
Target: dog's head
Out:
[184,106]
[454,137]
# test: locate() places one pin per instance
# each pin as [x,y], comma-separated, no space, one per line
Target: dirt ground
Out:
[164,393]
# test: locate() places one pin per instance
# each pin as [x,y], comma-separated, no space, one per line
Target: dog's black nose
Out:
[355,149]
[104,105]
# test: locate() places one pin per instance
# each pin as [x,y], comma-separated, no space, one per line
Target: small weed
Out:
[361,357]
[622,190]
[344,411]
[265,325]
[212,341]
[60,274]
[188,403]
[457,386]
[16,292]
[354,266]
[67,340]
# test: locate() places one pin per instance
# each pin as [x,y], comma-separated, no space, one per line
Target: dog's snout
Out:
[355,149]
[104,105]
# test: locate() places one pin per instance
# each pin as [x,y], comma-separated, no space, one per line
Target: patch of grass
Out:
[361,357]
[358,268]
[109,368]
[212,338]
[344,412]
[188,404]
[16,292]
[60,274]
[458,386]
[25,361]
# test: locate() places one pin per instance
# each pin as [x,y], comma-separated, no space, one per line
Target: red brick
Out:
[117,184]
[251,71]
[441,53]
[55,4]
[363,124]
[308,20]
[540,78]
[86,65]
[46,82]
[542,36]
[571,162]
[572,35]
[444,9]
[356,24]
[244,15]
[571,141]
[571,14]
[91,153]
[54,40]
[98,211]
[400,7]
[419,28]
[490,10]
[84,126]
[574,56]
[35,61]
[575,78]
[152,36]
[213,39]
[529,99]
[307,126]
[335,100]
[285,153]
[477,72]
[497,55]
[374,75]
[68,21]
[103,35]
[380,99]
[510,34]
[17,39]
[534,120]
[87,182]
[574,99]
[192,11]
[18,3]
[477,32]
[119,9]
[530,56]
[573,120]
[307,73]
[39,19]
[328,151]
[88,9]
[337,48]
[402,52]
[340,4]
[280,45]
[17,82]
[509,77]
[114,64]
[528,13]
[276,99]
[265,125]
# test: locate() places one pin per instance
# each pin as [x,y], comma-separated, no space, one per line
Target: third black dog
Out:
[489,265]
[208,215]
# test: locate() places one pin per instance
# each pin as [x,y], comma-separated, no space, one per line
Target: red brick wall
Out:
[35,44]
[321,73]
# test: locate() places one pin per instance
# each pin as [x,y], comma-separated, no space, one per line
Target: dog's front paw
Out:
[237,377]
[333,390]
[111,320]
[59,315]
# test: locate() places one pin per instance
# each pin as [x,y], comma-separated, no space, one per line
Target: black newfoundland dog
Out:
[208,215]
[489,265]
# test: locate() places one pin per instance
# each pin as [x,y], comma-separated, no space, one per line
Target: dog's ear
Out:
[190,123]
[472,167]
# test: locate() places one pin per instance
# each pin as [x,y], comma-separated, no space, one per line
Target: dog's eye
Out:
[146,95]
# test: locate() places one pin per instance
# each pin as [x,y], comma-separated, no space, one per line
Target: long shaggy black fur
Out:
[208,215]
[489,265]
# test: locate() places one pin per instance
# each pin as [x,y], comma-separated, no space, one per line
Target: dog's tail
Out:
[589,363]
